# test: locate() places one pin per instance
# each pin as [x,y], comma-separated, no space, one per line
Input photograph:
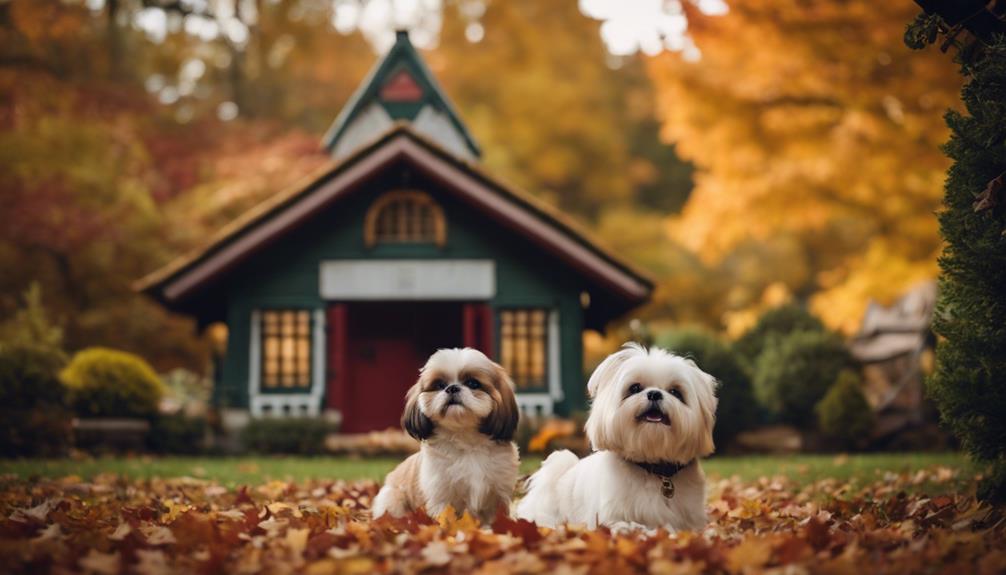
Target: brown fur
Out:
[405,479]
[502,422]
[466,460]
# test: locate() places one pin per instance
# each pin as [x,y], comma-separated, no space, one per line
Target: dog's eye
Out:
[438,384]
[635,388]
[473,383]
[677,393]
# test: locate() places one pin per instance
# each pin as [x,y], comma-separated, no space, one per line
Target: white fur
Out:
[467,471]
[605,488]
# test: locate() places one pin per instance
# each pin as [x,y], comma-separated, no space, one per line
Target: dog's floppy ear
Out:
[414,422]
[502,422]
[607,369]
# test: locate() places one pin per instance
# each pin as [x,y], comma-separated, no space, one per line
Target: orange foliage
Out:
[551,429]
[811,122]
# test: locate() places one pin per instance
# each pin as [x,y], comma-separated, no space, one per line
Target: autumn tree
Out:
[815,138]
[92,155]
[532,118]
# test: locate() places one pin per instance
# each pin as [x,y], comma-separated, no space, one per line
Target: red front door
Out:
[375,352]
[382,369]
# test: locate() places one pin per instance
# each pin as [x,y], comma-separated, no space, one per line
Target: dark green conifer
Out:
[969,384]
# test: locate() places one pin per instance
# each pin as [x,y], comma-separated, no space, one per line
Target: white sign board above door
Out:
[408,280]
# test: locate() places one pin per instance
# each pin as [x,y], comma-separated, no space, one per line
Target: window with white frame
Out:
[524,347]
[286,349]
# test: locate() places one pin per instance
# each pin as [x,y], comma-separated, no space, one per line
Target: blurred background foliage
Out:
[785,151]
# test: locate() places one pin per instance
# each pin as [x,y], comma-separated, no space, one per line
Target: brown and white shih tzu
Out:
[463,412]
[650,421]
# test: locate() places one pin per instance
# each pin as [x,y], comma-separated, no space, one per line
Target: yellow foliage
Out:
[538,95]
[811,123]
[881,275]
[752,553]
[450,522]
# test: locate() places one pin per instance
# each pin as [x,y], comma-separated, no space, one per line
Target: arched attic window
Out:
[405,217]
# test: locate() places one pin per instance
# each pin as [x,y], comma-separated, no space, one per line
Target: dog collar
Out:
[665,470]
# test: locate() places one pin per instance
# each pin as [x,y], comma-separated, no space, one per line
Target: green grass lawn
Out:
[233,471]
[809,468]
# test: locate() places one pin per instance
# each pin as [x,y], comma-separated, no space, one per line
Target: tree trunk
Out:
[114,39]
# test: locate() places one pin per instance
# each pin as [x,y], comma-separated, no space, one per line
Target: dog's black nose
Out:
[453,388]
[654,395]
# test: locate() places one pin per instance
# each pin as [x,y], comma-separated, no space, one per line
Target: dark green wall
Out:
[286,274]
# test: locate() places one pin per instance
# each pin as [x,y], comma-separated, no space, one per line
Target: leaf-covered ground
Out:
[116,525]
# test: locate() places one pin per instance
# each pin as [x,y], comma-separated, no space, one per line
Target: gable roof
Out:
[614,283]
[399,87]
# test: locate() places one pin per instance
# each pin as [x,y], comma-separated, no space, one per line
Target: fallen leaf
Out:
[174,509]
[121,532]
[157,534]
[816,531]
[100,563]
[296,540]
[752,552]
[51,533]
[436,554]
[522,528]
[152,562]
[37,513]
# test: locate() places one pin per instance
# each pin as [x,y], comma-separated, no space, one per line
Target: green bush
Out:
[29,377]
[844,417]
[794,372]
[177,434]
[33,409]
[776,322]
[109,383]
[293,435]
[737,409]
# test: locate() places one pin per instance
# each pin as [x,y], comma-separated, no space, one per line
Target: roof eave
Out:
[156,284]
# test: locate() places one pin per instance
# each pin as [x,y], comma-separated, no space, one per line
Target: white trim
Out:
[319,344]
[542,404]
[407,279]
[534,405]
[255,357]
[554,367]
[438,127]
[369,123]
[304,404]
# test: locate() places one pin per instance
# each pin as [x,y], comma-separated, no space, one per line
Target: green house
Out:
[335,292]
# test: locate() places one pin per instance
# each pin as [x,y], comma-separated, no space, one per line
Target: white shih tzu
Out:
[463,412]
[650,421]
